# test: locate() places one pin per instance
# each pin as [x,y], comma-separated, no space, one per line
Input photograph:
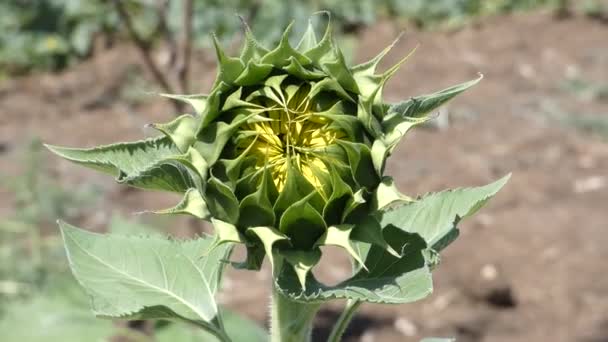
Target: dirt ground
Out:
[530,267]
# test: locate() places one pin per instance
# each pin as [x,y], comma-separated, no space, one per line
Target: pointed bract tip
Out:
[218,47]
[244,24]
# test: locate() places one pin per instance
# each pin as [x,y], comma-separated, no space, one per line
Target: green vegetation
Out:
[285,155]
[39,300]
[52,34]
[29,254]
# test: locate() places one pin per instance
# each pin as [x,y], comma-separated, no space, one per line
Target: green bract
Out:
[286,154]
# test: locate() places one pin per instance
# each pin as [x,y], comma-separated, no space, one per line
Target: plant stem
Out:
[344,320]
[291,321]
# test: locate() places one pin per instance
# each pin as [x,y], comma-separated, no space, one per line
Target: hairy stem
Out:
[344,320]
[291,321]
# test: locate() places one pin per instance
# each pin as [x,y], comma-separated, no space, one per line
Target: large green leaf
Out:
[389,279]
[146,277]
[435,216]
[128,158]
[144,164]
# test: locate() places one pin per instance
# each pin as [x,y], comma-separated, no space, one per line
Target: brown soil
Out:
[527,268]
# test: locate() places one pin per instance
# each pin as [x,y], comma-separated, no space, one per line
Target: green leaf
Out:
[302,223]
[404,115]
[195,162]
[301,262]
[138,277]
[340,195]
[354,203]
[336,68]
[389,280]
[309,38]
[128,158]
[324,46]
[241,328]
[295,68]
[192,204]
[329,85]
[120,225]
[387,193]
[82,36]
[197,101]
[362,168]
[225,232]
[340,236]
[182,131]
[213,137]
[268,236]
[130,162]
[253,74]
[166,175]
[379,154]
[369,231]
[369,68]
[294,190]
[280,55]
[229,67]
[252,49]
[435,215]
[221,201]
[256,208]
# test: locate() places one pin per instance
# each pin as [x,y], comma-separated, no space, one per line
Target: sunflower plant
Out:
[286,154]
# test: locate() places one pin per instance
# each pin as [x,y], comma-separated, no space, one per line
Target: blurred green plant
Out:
[49,34]
[52,34]
[58,312]
[586,90]
[36,286]
[28,253]
[590,124]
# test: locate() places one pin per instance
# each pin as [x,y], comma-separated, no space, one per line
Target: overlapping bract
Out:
[285,154]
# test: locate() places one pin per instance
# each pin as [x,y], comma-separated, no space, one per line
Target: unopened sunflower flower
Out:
[284,155]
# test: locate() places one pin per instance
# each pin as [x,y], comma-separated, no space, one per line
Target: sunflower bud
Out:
[284,155]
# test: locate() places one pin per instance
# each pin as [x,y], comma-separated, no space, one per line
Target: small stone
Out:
[442,301]
[489,272]
[368,337]
[406,327]
[485,220]
[589,184]
[526,70]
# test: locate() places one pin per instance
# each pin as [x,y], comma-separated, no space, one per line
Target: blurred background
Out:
[530,267]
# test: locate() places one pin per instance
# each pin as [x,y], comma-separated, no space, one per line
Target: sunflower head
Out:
[285,154]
